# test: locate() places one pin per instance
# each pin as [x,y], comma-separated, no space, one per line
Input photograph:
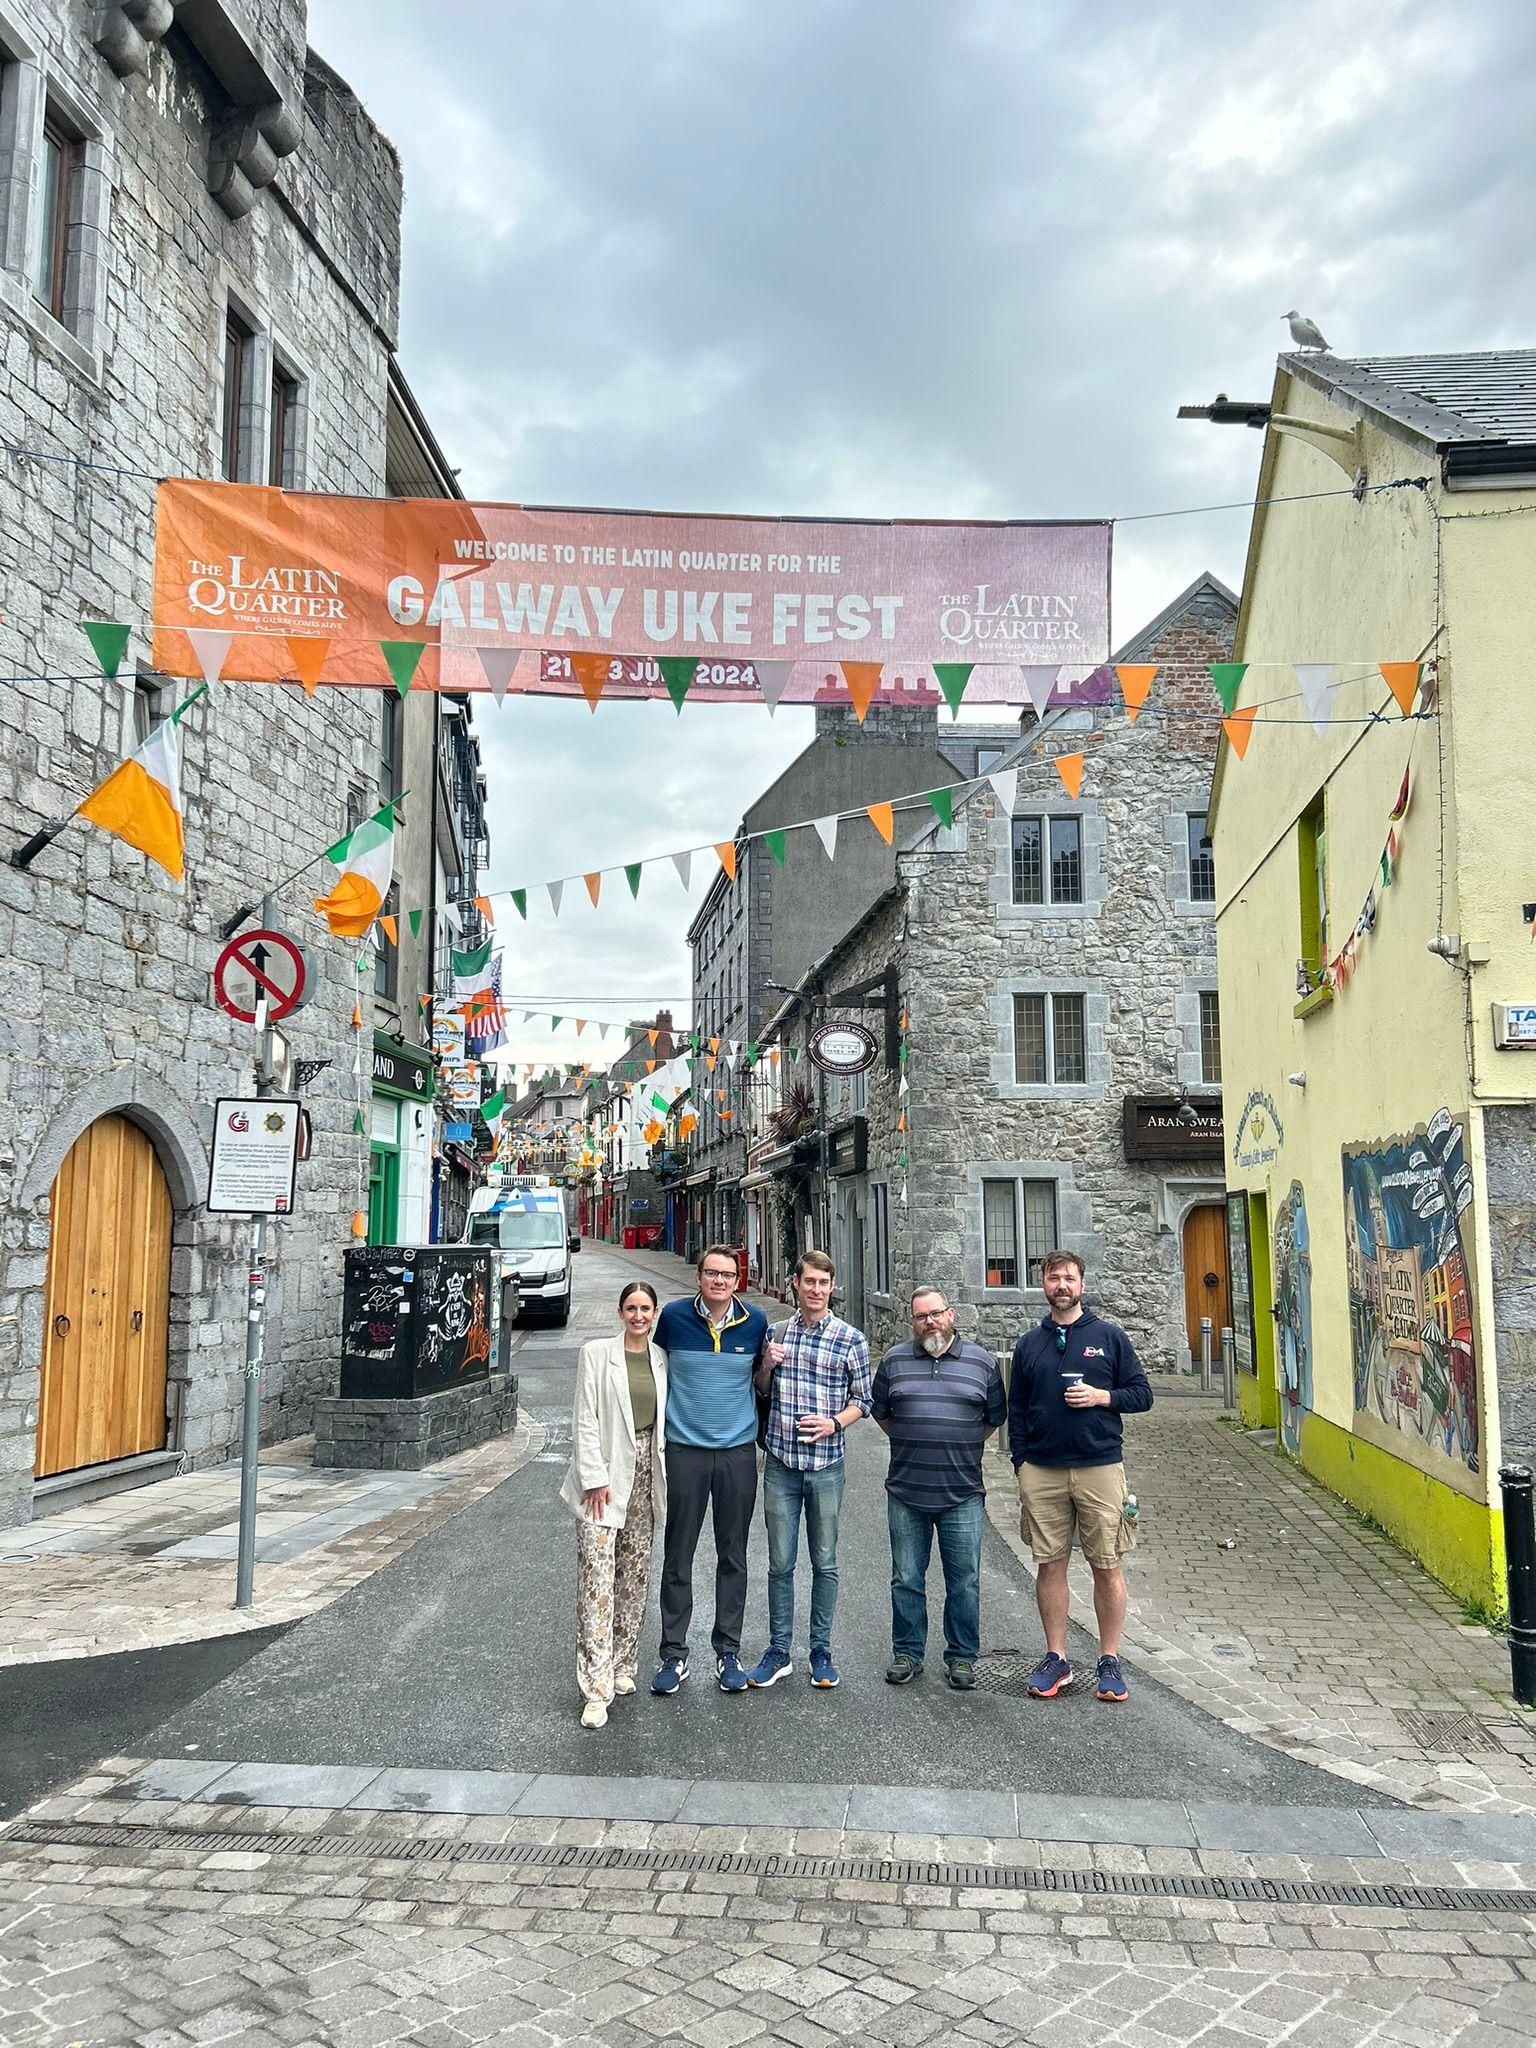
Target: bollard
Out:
[1228,1366]
[1520,1570]
[1205,1354]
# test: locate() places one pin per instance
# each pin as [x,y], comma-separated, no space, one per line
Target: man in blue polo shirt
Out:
[936,1398]
[714,1343]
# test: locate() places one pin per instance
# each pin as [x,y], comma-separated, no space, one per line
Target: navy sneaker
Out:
[1048,1677]
[670,1673]
[729,1675]
[1112,1685]
[823,1671]
[769,1669]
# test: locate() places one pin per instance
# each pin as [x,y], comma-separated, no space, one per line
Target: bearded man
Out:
[936,1397]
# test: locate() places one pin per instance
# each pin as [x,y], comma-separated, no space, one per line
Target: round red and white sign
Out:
[261,963]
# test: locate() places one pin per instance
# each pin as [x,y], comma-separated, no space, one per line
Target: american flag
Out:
[485,1021]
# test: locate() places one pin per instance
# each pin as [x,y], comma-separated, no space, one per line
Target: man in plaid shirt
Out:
[815,1372]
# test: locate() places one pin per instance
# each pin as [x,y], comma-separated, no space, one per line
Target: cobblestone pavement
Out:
[226,1929]
[156,1565]
[1315,1633]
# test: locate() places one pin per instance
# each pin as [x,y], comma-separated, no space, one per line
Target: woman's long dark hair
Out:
[638,1287]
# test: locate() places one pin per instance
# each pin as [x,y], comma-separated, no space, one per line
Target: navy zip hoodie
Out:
[1041,1427]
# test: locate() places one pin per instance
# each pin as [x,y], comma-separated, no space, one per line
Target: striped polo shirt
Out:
[939,1411]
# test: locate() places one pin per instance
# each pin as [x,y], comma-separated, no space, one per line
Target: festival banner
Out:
[463,581]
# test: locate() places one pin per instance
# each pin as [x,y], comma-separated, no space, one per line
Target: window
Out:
[386,958]
[1018,1221]
[237,359]
[148,704]
[1210,1038]
[1048,860]
[283,430]
[988,757]
[1050,1039]
[880,1237]
[390,721]
[1312,865]
[56,191]
[1202,860]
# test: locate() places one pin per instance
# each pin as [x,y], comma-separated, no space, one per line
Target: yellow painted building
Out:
[1376,961]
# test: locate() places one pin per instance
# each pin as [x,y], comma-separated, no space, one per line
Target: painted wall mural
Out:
[1410,1300]
[1293,1321]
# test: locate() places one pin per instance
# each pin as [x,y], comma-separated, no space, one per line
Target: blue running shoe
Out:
[1112,1685]
[769,1669]
[729,1675]
[670,1673]
[1048,1677]
[823,1671]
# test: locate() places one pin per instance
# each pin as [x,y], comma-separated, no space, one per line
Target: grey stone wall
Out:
[104,964]
[1509,1139]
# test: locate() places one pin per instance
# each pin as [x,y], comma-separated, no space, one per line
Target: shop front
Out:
[400,1145]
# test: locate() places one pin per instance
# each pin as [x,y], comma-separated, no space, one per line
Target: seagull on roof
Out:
[1304,332]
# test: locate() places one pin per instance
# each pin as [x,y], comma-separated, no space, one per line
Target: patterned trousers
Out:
[613,1569]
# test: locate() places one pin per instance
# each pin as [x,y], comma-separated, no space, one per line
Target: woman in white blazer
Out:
[616,1486]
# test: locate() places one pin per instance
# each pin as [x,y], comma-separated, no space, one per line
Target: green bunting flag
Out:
[109,643]
[1228,678]
[554,1023]
[413,918]
[357,1122]
[402,657]
[774,841]
[520,898]
[632,876]
[677,672]
[952,677]
[943,802]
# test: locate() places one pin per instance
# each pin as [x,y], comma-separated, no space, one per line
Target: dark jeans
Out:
[959,1532]
[786,1491]
[726,1482]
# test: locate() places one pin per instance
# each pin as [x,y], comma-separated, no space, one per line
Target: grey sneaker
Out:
[902,1669]
[962,1675]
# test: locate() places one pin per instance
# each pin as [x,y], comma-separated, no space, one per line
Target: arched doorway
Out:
[107,1305]
[1206,1289]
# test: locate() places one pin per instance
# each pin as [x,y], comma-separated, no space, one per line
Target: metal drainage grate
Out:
[1006,1671]
[1451,1732]
[533,1856]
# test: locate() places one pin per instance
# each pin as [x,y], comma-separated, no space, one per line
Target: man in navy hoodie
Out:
[1074,1376]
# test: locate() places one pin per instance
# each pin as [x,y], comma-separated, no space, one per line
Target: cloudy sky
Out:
[940,258]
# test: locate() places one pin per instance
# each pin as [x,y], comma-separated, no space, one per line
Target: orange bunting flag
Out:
[581,1025]
[726,848]
[881,816]
[359,1223]
[687,1125]
[390,929]
[1239,729]
[308,659]
[594,884]
[901,1121]
[719,1095]
[483,905]
[653,1036]
[357,1016]
[709,1062]
[773,1057]
[863,679]
[650,1066]
[1070,768]
[1135,679]
[1402,679]
[714,1045]
[591,671]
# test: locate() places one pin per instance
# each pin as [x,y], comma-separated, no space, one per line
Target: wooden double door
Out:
[1207,1291]
[107,1307]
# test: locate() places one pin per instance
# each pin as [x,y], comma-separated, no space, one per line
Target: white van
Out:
[527,1224]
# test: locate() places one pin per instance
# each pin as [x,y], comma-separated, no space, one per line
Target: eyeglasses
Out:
[1061,1337]
[932,1315]
[717,1273]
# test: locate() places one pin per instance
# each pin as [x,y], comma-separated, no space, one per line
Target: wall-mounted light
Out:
[1297,1080]
[1446,945]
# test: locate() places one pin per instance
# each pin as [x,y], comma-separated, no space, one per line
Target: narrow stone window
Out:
[58,172]
[236,423]
[283,430]
[1202,859]
[1210,1038]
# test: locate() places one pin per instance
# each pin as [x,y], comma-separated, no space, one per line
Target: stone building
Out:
[1056,971]
[199,247]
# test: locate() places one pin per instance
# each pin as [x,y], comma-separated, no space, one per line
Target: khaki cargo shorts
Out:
[1060,1503]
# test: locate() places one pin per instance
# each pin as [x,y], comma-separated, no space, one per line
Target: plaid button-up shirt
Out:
[825,1369]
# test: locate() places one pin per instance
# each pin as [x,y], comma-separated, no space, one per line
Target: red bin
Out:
[631,1237]
[741,1264]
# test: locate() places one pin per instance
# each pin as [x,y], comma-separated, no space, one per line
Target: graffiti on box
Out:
[1410,1289]
[1293,1313]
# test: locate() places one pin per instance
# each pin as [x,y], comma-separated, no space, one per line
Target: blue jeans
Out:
[959,1533]
[785,1492]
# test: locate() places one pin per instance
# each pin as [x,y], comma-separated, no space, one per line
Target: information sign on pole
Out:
[255,1154]
[257,964]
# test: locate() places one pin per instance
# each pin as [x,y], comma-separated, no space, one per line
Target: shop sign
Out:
[1259,1134]
[842,1048]
[255,1149]
[848,1146]
[1168,1127]
[1514,1026]
[402,1071]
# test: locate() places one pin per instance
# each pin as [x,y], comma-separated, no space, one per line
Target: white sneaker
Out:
[594,1715]
[623,1687]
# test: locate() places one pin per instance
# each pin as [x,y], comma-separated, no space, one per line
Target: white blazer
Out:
[603,1431]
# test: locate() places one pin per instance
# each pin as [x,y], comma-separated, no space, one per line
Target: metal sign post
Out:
[255,1327]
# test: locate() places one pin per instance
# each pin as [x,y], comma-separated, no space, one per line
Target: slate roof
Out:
[1489,397]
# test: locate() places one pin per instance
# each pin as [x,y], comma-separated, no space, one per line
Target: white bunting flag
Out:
[826,832]
[683,862]
[902,1088]
[1317,686]
[211,649]
[771,678]
[732,1047]
[1039,683]
[1006,784]
[556,891]
[500,665]
[602,1030]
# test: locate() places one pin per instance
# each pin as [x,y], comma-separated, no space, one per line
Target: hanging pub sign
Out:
[842,1048]
[1173,1127]
[440,594]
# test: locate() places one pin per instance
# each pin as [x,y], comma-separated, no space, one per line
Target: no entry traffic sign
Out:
[258,963]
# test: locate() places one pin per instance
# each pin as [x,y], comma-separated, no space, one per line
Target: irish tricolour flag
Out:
[473,972]
[140,801]
[366,860]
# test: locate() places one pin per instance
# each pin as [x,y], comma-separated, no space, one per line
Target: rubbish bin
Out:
[414,1319]
[631,1237]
